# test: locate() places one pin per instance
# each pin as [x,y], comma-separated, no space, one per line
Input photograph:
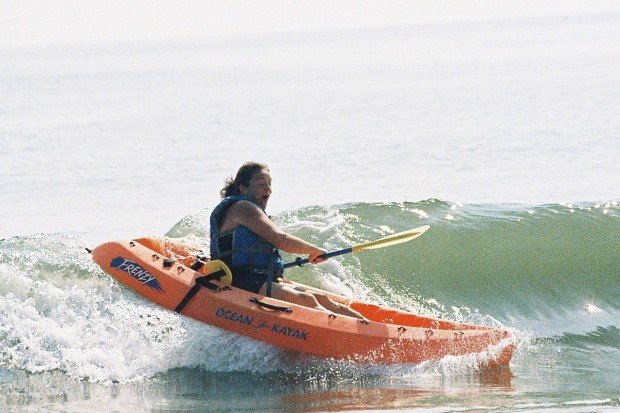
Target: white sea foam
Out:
[493,112]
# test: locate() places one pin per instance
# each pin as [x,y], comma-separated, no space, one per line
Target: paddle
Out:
[380,243]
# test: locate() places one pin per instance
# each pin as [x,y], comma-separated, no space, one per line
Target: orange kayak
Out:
[167,272]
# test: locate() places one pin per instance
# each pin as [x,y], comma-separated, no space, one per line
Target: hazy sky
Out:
[44,22]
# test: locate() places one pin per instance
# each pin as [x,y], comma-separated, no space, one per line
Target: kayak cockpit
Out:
[380,314]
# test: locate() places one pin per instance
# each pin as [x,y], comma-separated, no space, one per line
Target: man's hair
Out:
[243,177]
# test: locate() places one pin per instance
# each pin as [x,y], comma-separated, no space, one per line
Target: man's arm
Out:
[247,214]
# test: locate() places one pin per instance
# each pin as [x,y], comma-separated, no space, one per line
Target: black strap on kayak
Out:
[204,281]
[197,265]
[271,306]
[201,259]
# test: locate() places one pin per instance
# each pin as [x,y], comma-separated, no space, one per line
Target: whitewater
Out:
[501,135]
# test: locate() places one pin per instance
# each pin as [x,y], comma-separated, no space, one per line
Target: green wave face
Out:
[500,259]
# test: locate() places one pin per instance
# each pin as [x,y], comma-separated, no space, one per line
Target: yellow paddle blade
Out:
[392,239]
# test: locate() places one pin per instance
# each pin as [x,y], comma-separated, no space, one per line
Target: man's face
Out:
[259,188]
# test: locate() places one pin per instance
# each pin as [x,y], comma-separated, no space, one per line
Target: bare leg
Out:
[287,293]
[308,298]
[335,307]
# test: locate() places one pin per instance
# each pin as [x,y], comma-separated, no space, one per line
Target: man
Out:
[247,240]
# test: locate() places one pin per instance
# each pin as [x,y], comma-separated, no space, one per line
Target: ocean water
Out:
[504,136]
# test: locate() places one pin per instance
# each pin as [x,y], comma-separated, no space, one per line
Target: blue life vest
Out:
[241,249]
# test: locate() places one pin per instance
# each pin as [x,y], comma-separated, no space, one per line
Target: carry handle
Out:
[271,306]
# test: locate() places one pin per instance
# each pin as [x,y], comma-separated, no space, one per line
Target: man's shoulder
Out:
[243,206]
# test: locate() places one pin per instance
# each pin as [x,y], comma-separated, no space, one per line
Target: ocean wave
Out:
[506,260]
[552,268]
[500,259]
[608,337]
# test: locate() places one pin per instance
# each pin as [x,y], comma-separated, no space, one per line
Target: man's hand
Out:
[315,256]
